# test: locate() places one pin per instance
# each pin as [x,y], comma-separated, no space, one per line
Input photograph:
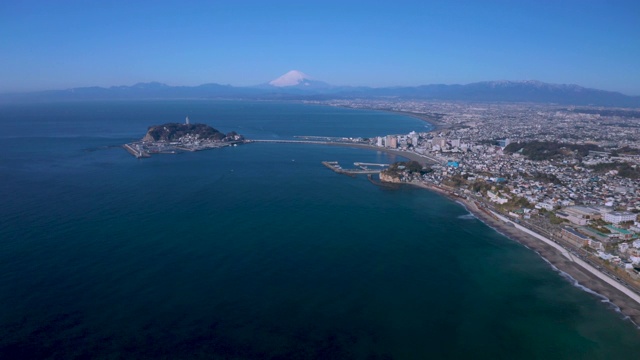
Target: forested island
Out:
[172,132]
[171,138]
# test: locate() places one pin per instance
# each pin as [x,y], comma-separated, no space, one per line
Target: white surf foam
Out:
[572,281]
[602,298]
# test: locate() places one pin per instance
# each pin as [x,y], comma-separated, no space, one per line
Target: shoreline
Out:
[437,125]
[571,270]
[580,274]
[566,267]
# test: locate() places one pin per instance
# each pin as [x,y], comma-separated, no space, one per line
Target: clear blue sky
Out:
[63,44]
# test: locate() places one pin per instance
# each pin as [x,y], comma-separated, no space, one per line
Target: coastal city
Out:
[566,177]
[320,180]
[570,174]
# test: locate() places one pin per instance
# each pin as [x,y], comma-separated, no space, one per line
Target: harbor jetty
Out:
[136,151]
[362,168]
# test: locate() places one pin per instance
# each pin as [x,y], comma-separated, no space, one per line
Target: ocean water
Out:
[259,251]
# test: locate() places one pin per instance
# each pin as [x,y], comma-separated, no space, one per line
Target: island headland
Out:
[171,138]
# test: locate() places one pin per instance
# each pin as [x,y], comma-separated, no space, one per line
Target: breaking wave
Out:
[569,278]
[602,298]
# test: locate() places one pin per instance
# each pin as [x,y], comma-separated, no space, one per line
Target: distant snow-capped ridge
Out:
[529,83]
[292,78]
[296,85]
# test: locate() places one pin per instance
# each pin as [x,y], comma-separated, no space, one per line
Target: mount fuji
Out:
[298,79]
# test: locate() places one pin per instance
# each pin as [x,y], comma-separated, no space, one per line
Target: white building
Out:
[391,141]
[596,245]
[496,198]
[414,140]
[441,142]
[616,217]
[544,205]
[623,247]
[603,255]
[573,219]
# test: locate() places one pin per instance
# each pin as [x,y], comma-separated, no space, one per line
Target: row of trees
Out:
[624,169]
[548,150]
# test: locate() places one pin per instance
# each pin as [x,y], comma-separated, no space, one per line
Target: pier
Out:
[335,166]
[361,164]
[136,152]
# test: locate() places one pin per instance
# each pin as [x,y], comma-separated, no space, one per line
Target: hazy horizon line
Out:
[312,78]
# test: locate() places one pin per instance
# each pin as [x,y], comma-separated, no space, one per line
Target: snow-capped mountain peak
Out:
[292,78]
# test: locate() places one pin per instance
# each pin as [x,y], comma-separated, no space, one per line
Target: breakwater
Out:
[363,168]
[136,152]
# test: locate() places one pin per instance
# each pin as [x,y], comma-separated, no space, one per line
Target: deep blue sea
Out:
[259,251]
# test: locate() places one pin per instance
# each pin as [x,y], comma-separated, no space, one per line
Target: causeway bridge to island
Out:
[138,149]
[422,159]
[304,142]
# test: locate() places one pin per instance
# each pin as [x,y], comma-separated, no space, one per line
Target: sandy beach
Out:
[626,305]
[405,154]
[437,125]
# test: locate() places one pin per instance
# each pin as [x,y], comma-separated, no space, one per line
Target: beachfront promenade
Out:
[635,297]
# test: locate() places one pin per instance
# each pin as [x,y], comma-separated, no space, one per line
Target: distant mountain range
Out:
[295,85]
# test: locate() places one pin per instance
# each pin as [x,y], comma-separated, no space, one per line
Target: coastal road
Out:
[635,297]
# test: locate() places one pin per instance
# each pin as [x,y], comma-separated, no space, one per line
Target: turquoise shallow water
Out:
[258,251]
